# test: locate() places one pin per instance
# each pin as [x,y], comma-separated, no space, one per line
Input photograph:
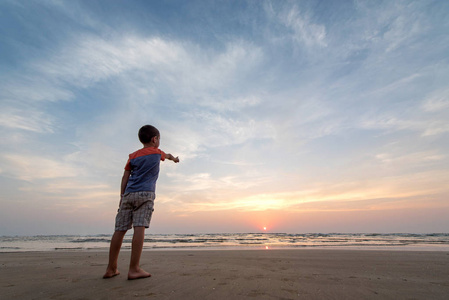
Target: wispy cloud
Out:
[36,121]
[300,28]
[304,30]
[425,126]
[437,101]
[32,167]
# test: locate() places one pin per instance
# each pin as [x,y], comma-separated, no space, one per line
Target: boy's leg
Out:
[135,271]
[114,250]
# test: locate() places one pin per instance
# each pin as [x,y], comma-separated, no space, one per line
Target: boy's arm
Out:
[171,157]
[125,178]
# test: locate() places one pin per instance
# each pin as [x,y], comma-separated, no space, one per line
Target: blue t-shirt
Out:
[144,167]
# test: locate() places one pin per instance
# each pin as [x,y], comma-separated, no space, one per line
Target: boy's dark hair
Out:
[146,133]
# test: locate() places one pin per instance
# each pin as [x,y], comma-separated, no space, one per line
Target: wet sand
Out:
[229,274]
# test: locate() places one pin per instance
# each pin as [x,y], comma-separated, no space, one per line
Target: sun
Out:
[265,228]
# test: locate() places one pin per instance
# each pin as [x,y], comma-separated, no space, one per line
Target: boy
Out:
[137,199]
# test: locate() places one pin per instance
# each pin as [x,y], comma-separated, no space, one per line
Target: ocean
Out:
[231,241]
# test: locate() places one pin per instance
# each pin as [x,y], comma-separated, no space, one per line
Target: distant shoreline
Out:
[421,248]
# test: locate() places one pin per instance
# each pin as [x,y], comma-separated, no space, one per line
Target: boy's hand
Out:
[171,157]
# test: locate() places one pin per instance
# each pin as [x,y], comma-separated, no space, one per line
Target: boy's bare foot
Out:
[138,274]
[111,273]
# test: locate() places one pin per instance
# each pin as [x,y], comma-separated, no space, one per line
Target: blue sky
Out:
[302,116]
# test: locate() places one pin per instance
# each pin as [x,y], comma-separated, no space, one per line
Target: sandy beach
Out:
[230,274]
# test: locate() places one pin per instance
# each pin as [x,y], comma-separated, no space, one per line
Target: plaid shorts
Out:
[135,210]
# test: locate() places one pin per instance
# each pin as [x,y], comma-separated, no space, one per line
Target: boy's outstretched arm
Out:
[171,157]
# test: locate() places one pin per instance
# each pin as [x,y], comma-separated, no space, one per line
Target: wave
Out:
[225,240]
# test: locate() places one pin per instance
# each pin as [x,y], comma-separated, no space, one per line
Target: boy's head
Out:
[147,133]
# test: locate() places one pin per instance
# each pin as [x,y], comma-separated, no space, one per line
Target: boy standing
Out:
[136,201]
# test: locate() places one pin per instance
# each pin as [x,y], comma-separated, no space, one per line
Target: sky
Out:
[298,116]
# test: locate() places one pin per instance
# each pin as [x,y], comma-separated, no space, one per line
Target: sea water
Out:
[265,241]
